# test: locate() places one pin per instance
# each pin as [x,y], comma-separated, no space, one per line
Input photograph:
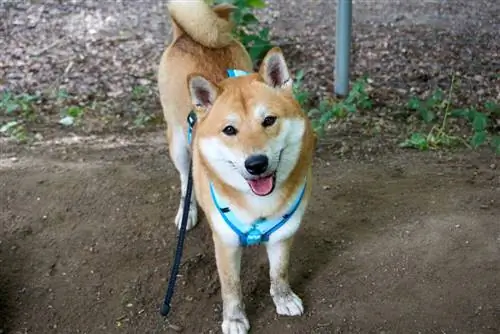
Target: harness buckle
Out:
[253,237]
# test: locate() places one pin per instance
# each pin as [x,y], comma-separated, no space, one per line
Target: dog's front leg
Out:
[228,265]
[286,301]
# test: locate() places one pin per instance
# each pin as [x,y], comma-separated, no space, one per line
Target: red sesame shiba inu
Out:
[251,149]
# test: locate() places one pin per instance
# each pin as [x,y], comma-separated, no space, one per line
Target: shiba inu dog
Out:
[251,149]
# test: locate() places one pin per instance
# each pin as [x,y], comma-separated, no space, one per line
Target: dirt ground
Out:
[401,244]
[393,242]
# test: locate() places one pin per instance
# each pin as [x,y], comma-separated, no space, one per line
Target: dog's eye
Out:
[230,130]
[268,121]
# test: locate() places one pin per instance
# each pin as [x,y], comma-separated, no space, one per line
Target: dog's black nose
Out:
[256,164]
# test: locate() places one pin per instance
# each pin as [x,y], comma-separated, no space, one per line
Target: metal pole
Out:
[343,46]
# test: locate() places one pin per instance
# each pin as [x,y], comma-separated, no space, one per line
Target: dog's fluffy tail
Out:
[209,26]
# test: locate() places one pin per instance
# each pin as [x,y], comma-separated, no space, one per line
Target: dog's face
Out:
[250,128]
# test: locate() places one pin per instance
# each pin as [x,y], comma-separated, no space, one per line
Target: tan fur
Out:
[207,26]
[200,48]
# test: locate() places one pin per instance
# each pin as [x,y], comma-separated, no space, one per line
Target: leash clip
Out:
[253,237]
[191,120]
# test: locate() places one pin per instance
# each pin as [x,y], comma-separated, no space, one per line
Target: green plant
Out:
[21,104]
[441,105]
[71,115]
[62,95]
[142,119]
[15,130]
[139,92]
[255,39]
[427,108]
[327,110]
[18,108]
[480,122]
[301,95]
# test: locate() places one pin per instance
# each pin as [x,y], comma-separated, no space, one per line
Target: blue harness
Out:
[260,230]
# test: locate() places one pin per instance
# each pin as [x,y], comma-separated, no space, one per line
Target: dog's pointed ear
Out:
[202,92]
[274,70]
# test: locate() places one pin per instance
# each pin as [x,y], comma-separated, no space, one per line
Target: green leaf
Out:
[319,129]
[11,107]
[74,111]
[25,107]
[28,98]
[492,107]
[324,105]
[350,108]
[414,103]
[480,122]
[365,103]
[436,97]
[327,116]
[256,52]
[256,3]
[339,111]
[299,76]
[249,19]
[460,113]
[6,128]
[417,140]
[427,115]
[495,142]
[301,96]
[249,39]
[478,139]
[62,94]
[264,34]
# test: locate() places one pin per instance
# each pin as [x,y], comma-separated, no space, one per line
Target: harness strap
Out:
[287,215]
[262,228]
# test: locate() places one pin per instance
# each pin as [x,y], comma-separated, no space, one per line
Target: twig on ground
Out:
[47,48]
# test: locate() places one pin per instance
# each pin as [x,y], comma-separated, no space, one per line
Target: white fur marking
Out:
[226,162]
[233,118]
[260,111]
[181,159]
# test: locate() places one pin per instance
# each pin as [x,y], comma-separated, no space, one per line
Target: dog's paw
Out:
[192,216]
[236,325]
[288,304]
[235,320]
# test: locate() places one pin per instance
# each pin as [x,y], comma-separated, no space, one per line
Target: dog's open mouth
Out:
[263,186]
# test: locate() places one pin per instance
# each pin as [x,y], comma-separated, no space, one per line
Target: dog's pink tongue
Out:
[262,187]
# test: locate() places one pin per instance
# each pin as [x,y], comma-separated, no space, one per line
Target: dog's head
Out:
[250,129]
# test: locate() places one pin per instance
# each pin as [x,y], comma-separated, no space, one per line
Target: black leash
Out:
[165,308]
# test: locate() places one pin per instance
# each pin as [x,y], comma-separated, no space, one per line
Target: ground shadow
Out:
[11,259]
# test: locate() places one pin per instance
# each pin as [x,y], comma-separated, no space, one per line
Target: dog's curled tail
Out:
[209,26]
